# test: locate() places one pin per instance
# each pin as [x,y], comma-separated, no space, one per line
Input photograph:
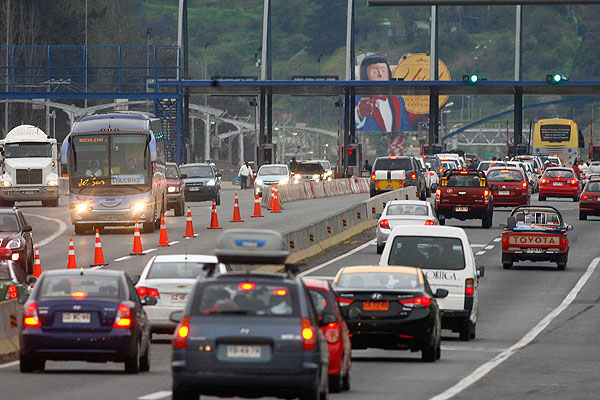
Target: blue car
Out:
[85,315]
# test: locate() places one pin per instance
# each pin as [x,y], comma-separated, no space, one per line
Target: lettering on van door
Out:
[444,275]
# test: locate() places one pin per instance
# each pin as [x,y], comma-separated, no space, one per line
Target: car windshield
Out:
[391,164]
[504,175]
[326,165]
[26,150]
[377,280]
[8,223]
[246,298]
[558,173]
[79,286]
[272,170]
[433,161]
[593,187]
[309,168]
[197,171]
[427,252]
[176,270]
[406,209]
[171,171]
[466,180]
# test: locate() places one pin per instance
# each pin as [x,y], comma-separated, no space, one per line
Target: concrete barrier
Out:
[10,316]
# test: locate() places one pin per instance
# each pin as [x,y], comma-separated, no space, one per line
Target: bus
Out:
[116,166]
[557,137]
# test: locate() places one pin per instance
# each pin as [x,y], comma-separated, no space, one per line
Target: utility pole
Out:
[6,106]
[434,109]
[518,123]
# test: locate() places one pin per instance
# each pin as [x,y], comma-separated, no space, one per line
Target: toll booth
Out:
[355,159]
[265,154]
[518,150]
[435,149]
[596,152]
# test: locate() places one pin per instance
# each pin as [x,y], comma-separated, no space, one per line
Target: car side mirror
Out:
[441,294]
[480,272]
[441,218]
[218,175]
[182,176]
[511,222]
[31,280]
[27,228]
[135,279]
[569,227]
[377,215]
[176,316]
[326,319]
[22,299]
[148,301]
[494,187]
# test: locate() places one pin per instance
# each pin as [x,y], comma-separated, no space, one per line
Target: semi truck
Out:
[29,167]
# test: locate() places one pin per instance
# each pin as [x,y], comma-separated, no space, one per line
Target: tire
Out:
[474,331]
[429,353]
[380,248]
[148,227]
[8,203]
[29,266]
[132,362]
[179,209]
[422,195]
[438,353]
[542,198]
[562,263]
[442,221]
[466,331]
[346,382]
[582,216]
[145,359]
[312,393]
[184,394]
[507,261]
[428,192]
[31,364]
[335,383]
[576,199]
[486,221]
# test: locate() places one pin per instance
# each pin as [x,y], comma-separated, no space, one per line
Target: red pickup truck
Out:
[535,233]
[464,195]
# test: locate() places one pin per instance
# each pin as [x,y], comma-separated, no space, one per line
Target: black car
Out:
[390,308]
[85,315]
[412,169]
[202,182]
[175,189]
[15,234]
[250,334]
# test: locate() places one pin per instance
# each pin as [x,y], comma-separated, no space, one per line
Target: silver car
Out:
[169,279]
[403,212]
[271,174]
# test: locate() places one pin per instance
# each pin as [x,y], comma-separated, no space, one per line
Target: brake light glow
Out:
[417,302]
[144,291]
[181,333]
[504,240]
[431,173]
[308,334]
[372,177]
[573,182]
[12,292]
[79,295]
[123,317]
[438,194]
[344,302]
[469,287]
[393,158]
[31,318]
[584,197]
[332,334]
[544,180]
[413,176]
[429,222]
[280,292]
[247,286]
[463,172]
[384,223]
[524,184]
[441,169]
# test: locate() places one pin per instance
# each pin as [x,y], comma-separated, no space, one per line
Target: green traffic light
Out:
[557,78]
[473,78]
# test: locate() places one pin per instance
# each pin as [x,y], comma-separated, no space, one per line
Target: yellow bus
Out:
[556,137]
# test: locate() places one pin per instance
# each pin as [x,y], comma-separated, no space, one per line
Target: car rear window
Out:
[176,270]
[388,164]
[504,175]
[246,298]
[427,252]
[406,209]
[377,280]
[322,301]
[558,173]
[79,286]
[171,171]
[593,187]
[312,168]
[537,218]
[464,181]
[485,165]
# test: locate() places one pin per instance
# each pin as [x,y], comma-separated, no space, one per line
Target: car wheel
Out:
[438,352]
[466,331]
[486,221]
[178,209]
[145,359]
[474,331]
[542,198]
[442,221]
[582,216]
[132,362]
[335,383]
[562,263]
[31,364]
[148,227]
[218,200]
[312,393]
[184,394]
[346,381]
[29,265]
[422,195]
[429,353]
[576,198]
[380,248]
[79,229]
[8,203]
[371,193]
[428,192]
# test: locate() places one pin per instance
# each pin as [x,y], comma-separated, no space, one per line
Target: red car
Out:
[589,201]
[336,333]
[559,182]
[509,186]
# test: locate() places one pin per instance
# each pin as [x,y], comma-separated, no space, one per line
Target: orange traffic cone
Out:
[257,207]
[189,227]
[37,265]
[163,240]
[71,264]
[98,253]
[273,190]
[137,241]
[276,206]
[214,218]
[236,211]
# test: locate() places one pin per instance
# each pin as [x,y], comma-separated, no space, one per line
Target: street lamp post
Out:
[320,100]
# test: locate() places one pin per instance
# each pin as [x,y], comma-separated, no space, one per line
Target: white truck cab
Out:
[445,256]
[30,168]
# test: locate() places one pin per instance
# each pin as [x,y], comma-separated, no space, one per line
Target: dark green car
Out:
[13,281]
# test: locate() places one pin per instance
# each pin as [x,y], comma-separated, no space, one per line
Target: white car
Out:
[403,212]
[433,176]
[271,174]
[170,279]
[445,256]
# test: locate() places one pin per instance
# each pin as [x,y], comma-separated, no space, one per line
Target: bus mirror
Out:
[153,153]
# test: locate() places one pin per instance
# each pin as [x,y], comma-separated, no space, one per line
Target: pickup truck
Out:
[464,195]
[535,233]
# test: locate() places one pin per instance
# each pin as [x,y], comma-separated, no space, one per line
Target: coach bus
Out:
[557,137]
[116,165]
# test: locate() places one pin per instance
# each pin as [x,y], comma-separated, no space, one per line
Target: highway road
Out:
[535,334]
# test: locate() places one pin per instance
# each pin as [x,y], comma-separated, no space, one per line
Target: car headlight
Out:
[211,183]
[284,181]
[82,207]
[53,182]
[316,176]
[140,206]
[329,173]
[259,182]
[173,189]
[14,244]
[6,183]
[297,179]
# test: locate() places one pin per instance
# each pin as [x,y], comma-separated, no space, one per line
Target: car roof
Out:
[84,272]
[508,167]
[8,210]
[186,257]
[273,165]
[196,164]
[433,231]
[411,202]
[361,269]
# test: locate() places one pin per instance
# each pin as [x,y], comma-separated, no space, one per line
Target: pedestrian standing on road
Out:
[367,166]
[244,173]
[576,168]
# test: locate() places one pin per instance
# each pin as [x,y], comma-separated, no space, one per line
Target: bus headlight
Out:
[211,183]
[6,183]
[82,207]
[140,206]
[53,182]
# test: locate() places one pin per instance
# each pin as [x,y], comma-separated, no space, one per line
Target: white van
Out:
[444,254]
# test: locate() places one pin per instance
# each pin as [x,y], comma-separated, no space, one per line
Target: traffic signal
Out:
[556,78]
[266,154]
[352,156]
[472,78]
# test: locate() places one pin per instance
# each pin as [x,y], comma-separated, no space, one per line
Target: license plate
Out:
[389,184]
[535,250]
[238,351]
[76,318]
[194,189]
[109,218]
[178,297]
[461,209]
[504,193]
[557,184]
[376,305]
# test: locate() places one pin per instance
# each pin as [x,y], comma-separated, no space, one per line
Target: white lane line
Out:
[149,251]
[62,227]
[482,349]
[8,365]
[497,239]
[175,242]
[491,246]
[156,395]
[480,253]
[97,267]
[525,340]
[122,258]
[359,248]
[477,245]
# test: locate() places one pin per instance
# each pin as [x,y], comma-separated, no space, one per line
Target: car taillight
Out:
[504,240]
[31,318]
[416,302]
[332,333]
[308,334]
[469,287]
[429,222]
[144,291]
[12,292]
[431,173]
[544,180]
[123,317]
[441,170]
[344,302]
[372,177]
[181,333]
[584,197]
[413,176]
[524,185]
[573,182]
[438,194]
[384,223]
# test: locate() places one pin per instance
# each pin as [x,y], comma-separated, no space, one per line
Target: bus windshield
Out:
[109,161]
[26,150]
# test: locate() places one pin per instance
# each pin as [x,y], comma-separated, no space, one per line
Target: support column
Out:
[207,137]
[518,134]
[350,98]
[518,115]
[241,147]
[434,120]
[433,76]
[266,98]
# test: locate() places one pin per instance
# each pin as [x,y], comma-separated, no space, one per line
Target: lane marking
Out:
[175,242]
[477,245]
[491,246]
[480,253]
[356,250]
[122,258]
[469,349]
[497,239]
[97,267]
[149,251]
[525,340]
[62,227]
[156,395]
[10,364]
